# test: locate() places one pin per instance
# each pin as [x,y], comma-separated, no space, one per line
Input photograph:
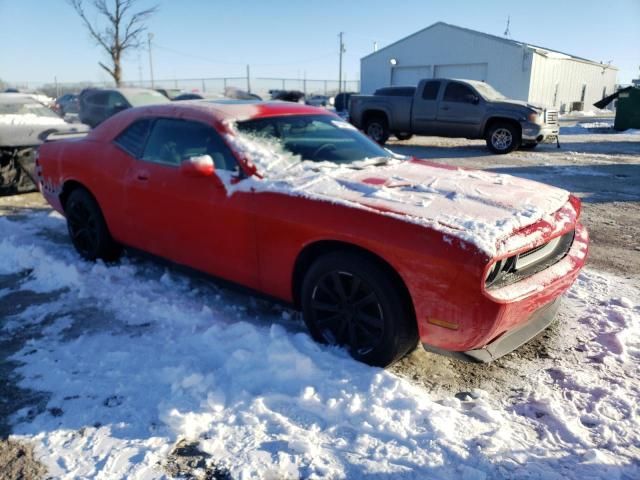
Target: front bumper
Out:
[534,133]
[510,340]
[485,329]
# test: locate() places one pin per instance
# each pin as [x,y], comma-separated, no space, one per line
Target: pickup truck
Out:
[453,108]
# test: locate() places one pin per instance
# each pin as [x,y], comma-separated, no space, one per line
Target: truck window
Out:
[396,91]
[430,91]
[456,92]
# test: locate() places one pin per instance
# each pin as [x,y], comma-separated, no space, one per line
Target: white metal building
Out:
[518,70]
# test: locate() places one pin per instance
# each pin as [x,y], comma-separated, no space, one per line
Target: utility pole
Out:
[342,50]
[149,38]
[507,32]
[248,79]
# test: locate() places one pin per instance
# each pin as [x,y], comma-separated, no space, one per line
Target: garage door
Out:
[410,75]
[469,71]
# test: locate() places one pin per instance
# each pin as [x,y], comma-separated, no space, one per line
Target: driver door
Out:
[190,220]
[461,111]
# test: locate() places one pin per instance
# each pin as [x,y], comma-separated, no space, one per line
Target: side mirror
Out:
[119,108]
[200,166]
[471,98]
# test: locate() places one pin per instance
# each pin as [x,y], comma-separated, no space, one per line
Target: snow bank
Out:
[593,112]
[136,357]
[589,128]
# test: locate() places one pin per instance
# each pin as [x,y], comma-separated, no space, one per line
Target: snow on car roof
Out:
[235,110]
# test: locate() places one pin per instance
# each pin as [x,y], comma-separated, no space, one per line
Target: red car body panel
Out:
[255,238]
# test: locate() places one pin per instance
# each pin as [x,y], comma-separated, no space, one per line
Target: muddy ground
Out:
[604,170]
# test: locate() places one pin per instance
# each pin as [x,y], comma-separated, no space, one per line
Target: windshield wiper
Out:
[370,162]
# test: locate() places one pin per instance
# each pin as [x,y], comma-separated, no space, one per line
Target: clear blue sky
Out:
[41,39]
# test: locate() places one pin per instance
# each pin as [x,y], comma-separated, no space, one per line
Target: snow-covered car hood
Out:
[23,130]
[475,206]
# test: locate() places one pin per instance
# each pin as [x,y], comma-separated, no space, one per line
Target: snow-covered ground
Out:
[137,356]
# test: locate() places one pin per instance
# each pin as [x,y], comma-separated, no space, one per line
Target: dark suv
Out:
[98,104]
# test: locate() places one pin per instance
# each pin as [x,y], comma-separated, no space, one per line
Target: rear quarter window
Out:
[133,138]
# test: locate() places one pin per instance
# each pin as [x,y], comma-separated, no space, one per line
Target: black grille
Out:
[508,275]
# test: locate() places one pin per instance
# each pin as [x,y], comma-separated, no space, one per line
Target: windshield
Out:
[140,99]
[26,108]
[488,92]
[317,138]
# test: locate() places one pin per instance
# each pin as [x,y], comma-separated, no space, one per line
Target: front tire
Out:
[349,300]
[87,228]
[377,128]
[503,138]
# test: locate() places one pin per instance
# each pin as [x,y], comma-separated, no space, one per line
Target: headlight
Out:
[535,117]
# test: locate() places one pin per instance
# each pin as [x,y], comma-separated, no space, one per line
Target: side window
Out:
[99,98]
[456,92]
[430,91]
[132,139]
[116,100]
[172,140]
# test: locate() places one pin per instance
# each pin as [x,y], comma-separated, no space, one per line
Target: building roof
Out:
[548,52]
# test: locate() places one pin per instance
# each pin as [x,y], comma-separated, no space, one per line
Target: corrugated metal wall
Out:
[560,82]
[508,65]
[519,72]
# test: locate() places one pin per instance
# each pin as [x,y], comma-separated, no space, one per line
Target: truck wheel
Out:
[403,135]
[503,138]
[377,129]
[87,228]
[348,300]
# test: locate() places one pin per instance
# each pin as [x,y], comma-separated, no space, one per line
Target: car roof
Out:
[17,98]
[235,110]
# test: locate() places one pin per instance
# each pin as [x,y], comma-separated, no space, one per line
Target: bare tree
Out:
[119,30]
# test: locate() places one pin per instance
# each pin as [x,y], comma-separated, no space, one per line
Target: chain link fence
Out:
[211,86]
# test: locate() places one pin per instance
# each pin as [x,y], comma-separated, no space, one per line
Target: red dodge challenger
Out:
[379,251]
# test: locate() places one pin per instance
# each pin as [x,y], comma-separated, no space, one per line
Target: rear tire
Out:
[403,135]
[377,128]
[502,138]
[87,229]
[349,300]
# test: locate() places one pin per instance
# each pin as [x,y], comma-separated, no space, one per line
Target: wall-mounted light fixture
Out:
[393,61]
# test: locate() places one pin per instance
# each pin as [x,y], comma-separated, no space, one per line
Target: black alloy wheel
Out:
[87,228]
[347,311]
[350,300]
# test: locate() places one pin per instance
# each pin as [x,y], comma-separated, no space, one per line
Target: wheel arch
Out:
[311,252]
[69,186]
[501,119]
[374,113]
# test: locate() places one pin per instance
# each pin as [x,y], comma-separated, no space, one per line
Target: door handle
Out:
[142,176]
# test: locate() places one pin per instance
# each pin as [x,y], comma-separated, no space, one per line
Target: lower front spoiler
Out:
[509,341]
